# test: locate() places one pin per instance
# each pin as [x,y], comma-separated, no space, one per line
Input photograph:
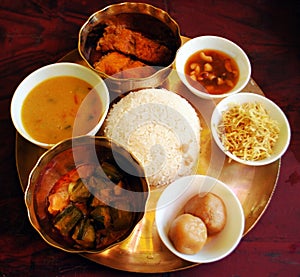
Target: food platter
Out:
[144,251]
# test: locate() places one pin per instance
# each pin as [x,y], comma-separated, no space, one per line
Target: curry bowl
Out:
[131,45]
[213,67]
[86,194]
[59,101]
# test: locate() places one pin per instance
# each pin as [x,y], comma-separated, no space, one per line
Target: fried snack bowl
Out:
[272,110]
[145,19]
[95,203]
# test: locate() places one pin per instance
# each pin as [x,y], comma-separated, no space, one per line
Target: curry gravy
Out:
[55,106]
[212,71]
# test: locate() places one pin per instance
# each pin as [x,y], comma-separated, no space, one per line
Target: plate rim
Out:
[142,269]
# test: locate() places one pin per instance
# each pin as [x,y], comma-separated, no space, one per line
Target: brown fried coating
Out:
[116,63]
[128,42]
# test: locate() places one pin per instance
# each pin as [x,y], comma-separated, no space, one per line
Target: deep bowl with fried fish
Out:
[132,45]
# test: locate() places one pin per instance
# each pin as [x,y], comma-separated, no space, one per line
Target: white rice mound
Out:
[161,129]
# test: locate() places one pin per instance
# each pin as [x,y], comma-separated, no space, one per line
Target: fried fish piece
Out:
[128,42]
[116,63]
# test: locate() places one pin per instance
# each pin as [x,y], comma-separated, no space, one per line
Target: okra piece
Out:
[84,233]
[78,191]
[101,214]
[67,219]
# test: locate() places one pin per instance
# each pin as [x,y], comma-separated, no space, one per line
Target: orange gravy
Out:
[59,108]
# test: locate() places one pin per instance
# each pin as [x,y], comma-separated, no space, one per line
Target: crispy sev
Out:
[247,131]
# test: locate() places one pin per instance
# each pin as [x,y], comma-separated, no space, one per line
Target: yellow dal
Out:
[59,108]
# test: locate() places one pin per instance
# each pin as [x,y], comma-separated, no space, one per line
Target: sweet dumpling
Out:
[188,234]
[210,208]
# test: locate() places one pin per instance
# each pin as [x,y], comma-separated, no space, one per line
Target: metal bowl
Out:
[55,164]
[149,21]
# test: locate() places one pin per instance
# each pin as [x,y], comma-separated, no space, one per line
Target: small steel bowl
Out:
[56,162]
[150,21]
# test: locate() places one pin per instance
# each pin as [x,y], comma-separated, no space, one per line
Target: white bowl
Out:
[170,205]
[275,113]
[54,70]
[214,43]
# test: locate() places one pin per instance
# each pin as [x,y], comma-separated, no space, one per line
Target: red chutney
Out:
[212,71]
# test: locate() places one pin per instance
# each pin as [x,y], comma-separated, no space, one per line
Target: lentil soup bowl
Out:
[59,101]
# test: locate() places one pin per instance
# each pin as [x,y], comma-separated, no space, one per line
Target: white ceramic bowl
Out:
[275,113]
[214,43]
[54,70]
[173,199]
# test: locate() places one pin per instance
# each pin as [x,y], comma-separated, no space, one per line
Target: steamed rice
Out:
[161,129]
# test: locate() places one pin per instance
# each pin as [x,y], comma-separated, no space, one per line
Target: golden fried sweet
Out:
[188,234]
[210,208]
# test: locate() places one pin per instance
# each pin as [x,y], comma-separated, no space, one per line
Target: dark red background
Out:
[35,33]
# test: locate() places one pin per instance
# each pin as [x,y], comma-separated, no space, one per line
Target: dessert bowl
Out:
[171,204]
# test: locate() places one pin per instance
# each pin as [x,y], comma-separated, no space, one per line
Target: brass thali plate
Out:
[144,251]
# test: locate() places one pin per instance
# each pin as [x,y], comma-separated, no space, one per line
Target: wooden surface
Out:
[36,33]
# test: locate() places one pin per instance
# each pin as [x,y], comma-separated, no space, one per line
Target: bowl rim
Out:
[15,111]
[197,184]
[29,203]
[130,79]
[180,66]
[255,97]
